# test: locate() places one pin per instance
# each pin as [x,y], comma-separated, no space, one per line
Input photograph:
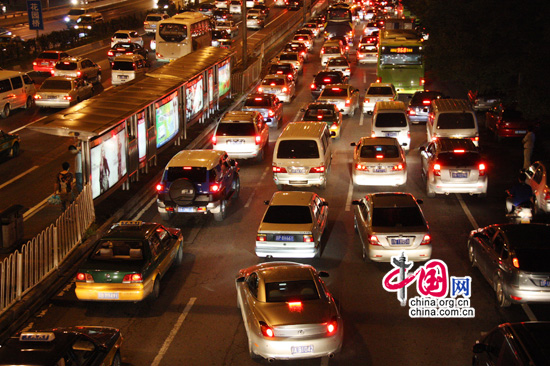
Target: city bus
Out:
[400,60]
[340,22]
[182,34]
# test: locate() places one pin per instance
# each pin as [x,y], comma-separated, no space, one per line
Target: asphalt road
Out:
[196,322]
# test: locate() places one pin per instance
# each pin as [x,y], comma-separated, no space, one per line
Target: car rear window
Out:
[121,35]
[194,174]
[291,291]
[273,82]
[123,66]
[154,18]
[380,90]
[258,102]
[338,62]
[298,149]
[289,57]
[124,46]
[418,98]
[48,56]
[288,215]
[316,112]
[334,92]
[464,159]
[455,121]
[66,66]
[236,129]
[119,250]
[397,216]
[390,120]
[531,245]
[331,49]
[371,151]
[283,67]
[324,78]
[56,84]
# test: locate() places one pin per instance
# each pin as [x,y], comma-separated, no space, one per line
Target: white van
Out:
[127,67]
[16,90]
[452,118]
[390,119]
[302,155]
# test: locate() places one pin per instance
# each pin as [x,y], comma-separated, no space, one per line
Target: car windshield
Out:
[291,291]
[123,66]
[289,57]
[236,129]
[288,215]
[397,217]
[455,121]
[119,250]
[380,90]
[48,55]
[273,82]
[372,151]
[258,102]
[66,66]
[56,84]
[334,92]
[194,174]
[462,159]
[298,149]
[391,120]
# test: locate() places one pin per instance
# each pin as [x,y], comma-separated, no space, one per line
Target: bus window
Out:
[172,32]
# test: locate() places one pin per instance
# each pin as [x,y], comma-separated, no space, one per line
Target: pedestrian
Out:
[64,185]
[528,146]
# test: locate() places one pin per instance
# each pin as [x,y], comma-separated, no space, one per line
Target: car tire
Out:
[502,301]
[429,192]
[6,111]
[236,187]
[14,150]
[30,102]
[260,156]
[220,216]
[472,255]
[179,256]
[116,360]
[280,187]
[156,290]
[166,216]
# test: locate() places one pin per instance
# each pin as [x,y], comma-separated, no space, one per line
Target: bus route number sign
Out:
[401,50]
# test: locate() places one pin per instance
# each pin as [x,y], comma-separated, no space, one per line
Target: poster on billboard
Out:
[142,137]
[210,86]
[167,118]
[108,160]
[194,97]
[224,77]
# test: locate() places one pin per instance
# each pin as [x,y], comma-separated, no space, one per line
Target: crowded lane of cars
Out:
[361,306]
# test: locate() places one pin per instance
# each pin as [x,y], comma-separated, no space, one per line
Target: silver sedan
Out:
[62,92]
[288,312]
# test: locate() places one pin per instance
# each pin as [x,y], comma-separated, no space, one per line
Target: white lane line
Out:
[525,307]
[364,78]
[19,176]
[361,117]
[28,124]
[173,332]
[249,201]
[273,20]
[350,194]
[467,211]
[142,211]
[30,213]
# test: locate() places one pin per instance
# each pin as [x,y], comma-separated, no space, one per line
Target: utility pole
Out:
[245,48]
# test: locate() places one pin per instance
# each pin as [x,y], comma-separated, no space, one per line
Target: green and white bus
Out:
[400,60]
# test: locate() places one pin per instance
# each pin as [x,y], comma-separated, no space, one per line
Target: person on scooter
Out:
[519,194]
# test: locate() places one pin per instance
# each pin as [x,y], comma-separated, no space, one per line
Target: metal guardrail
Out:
[26,268]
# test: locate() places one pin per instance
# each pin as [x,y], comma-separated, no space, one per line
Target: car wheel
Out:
[323,185]
[14,150]
[429,191]
[30,102]
[280,187]
[219,216]
[472,255]
[166,216]
[116,360]
[156,290]
[236,187]
[98,78]
[6,111]
[502,300]
[260,156]
[179,256]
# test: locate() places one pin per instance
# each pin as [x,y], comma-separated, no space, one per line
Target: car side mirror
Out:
[353,144]
[479,348]
[266,202]
[323,274]
[240,279]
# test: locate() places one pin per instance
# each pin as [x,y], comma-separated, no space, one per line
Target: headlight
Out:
[67,19]
[89,27]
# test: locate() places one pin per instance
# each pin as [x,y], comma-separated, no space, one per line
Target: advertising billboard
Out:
[167,119]
[194,97]
[108,160]
[142,137]
[224,78]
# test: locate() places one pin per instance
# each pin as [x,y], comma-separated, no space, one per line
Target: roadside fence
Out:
[39,257]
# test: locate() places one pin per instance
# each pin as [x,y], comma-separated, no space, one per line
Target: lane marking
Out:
[361,118]
[529,312]
[19,176]
[31,212]
[28,124]
[173,332]
[364,78]
[249,201]
[350,194]
[142,211]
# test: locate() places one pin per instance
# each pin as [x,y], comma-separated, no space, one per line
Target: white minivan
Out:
[127,67]
[302,155]
[390,119]
[16,90]
[452,118]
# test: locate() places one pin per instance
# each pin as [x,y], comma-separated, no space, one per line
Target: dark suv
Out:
[268,105]
[324,78]
[198,181]
[420,105]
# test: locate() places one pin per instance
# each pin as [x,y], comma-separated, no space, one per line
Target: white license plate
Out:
[401,241]
[545,283]
[521,132]
[391,134]
[52,96]
[123,77]
[298,171]
[380,170]
[186,209]
[459,175]
[235,141]
[107,295]
[301,349]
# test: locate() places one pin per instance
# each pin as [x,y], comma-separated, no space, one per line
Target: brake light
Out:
[258,99]
[378,79]
[260,90]
[308,238]
[482,168]
[52,72]
[270,113]
[373,239]
[78,74]
[132,278]
[214,188]
[348,102]
[36,96]
[322,51]
[279,169]
[279,72]
[267,331]
[367,100]
[459,151]
[422,81]
[434,137]
[295,305]
[112,39]
[145,23]
[326,80]
[261,237]
[284,90]
[361,167]
[426,102]
[258,139]
[335,89]
[412,112]
[313,86]
[332,326]
[515,262]
[398,167]
[34,63]
[67,97]
[317,169]
[214,140]
[84,277]
[360,55]
[273,84]
[159,187]
[476,139]
[437,169]
[379,156]
[426,240]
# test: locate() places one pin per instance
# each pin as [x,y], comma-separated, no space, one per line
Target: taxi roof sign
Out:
[130,223]
[37,337]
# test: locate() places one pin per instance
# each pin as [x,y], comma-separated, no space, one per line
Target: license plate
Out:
[284,237]
[186,209]
[521,132]
[401,241]
[52,96]
[380,170]
[124,77]
[301,349]
[298,171]
[107,295]
[459,175]
[45,63]
[236,141]
[545,283]
[391,134]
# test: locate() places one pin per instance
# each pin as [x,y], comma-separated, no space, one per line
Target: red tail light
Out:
[133,278]
[378,79]
[398,167]
[412,112]
[285,89]
[426,102]
[36,96]
[547,196]
[110,53]
[258,139]
[84,277]
[515,262]
[426,240]
[279,72]
[78,74]
[482,169]
[214,188]
[459,151]
[322,51]
[67,97]
[260,90]
[379,156]
[159,187]
[312,86]
[261,237]
[295,305]
[361,167]
[270,113]
[52,72]
[348,102]
[437,169]
[267,331]
[373,239]
[214,140]
[332,326]
[308,239]
[317,169]
[476,139]
[279,169]
[34,63]
[422,81]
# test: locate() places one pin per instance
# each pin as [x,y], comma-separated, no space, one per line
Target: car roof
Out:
[291,198]
[275,76]
[196,158]
[341,86]
[380,84]
[281,271]
[379,141]
[300,130]
[124,31]
[450,144]
[131,58]
[321,104]
[452,105]
[61,78]
[397,199]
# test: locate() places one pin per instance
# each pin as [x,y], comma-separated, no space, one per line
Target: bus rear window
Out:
[171,32]
[455,121]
